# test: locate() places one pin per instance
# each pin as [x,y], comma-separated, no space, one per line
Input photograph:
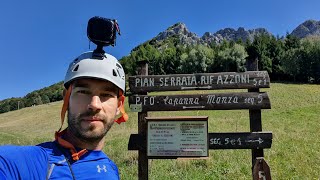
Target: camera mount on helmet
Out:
[102,32]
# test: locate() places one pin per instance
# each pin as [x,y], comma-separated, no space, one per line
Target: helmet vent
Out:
[76,68]
[114,73]
[76,60]
[118,65]
[118,72]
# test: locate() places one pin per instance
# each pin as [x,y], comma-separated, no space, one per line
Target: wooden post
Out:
[255,116]
[143,164]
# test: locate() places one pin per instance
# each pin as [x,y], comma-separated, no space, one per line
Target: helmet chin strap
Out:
[76,155]
[65,105]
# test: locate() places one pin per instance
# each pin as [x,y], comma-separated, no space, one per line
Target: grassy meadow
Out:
[294,121]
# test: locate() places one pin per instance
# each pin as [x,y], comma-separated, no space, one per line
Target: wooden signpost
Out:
[217,101]
[203,81]
[162,137]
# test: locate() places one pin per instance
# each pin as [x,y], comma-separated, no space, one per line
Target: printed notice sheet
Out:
[178,138]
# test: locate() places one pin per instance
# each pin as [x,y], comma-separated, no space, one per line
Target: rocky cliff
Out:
[230,34]
[308,28]
[180,30]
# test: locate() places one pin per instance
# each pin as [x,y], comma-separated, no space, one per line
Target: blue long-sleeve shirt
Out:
[48,161]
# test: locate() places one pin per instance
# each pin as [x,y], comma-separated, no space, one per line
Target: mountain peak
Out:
[180,31]
[231,34]
[178,28]
[308,28]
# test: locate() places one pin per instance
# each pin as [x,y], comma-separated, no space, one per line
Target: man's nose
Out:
[95,104]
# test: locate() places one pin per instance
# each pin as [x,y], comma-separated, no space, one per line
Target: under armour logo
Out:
[99,168]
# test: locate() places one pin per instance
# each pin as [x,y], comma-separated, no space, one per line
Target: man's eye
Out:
[106,95]
[83,92]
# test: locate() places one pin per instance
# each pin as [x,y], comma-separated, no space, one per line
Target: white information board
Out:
[178,138]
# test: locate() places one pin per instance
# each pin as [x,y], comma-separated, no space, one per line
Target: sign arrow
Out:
[204,87]
[193,107]
[256,140]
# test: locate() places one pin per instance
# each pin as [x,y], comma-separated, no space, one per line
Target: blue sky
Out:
[38,39]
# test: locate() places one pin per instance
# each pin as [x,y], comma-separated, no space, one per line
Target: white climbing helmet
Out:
[97,66]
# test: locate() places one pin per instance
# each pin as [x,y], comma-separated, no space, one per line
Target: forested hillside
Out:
[286,59]
[43,96]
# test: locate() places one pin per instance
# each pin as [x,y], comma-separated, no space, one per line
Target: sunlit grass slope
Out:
[294,121]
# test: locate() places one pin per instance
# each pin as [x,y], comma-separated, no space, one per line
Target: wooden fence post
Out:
[143,164]
[255,115]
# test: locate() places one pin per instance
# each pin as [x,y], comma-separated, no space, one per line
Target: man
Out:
[95,84]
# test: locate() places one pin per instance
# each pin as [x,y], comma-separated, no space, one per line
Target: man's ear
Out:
[120,104]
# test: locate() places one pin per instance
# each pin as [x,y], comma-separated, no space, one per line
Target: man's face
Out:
[93,106]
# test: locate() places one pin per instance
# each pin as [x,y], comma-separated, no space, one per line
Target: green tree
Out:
[45,99]
[291,62]
[21,103]
[197,59]
[152,55]
[231,58]
[206,57]
[291,42]
[276,53]
[310,60]
[302,63]
[168,60]
[258,49]
[4,108]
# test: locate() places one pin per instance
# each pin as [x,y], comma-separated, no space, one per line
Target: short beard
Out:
[87,135]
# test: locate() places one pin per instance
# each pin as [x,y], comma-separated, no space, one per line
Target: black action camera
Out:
[102,32]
